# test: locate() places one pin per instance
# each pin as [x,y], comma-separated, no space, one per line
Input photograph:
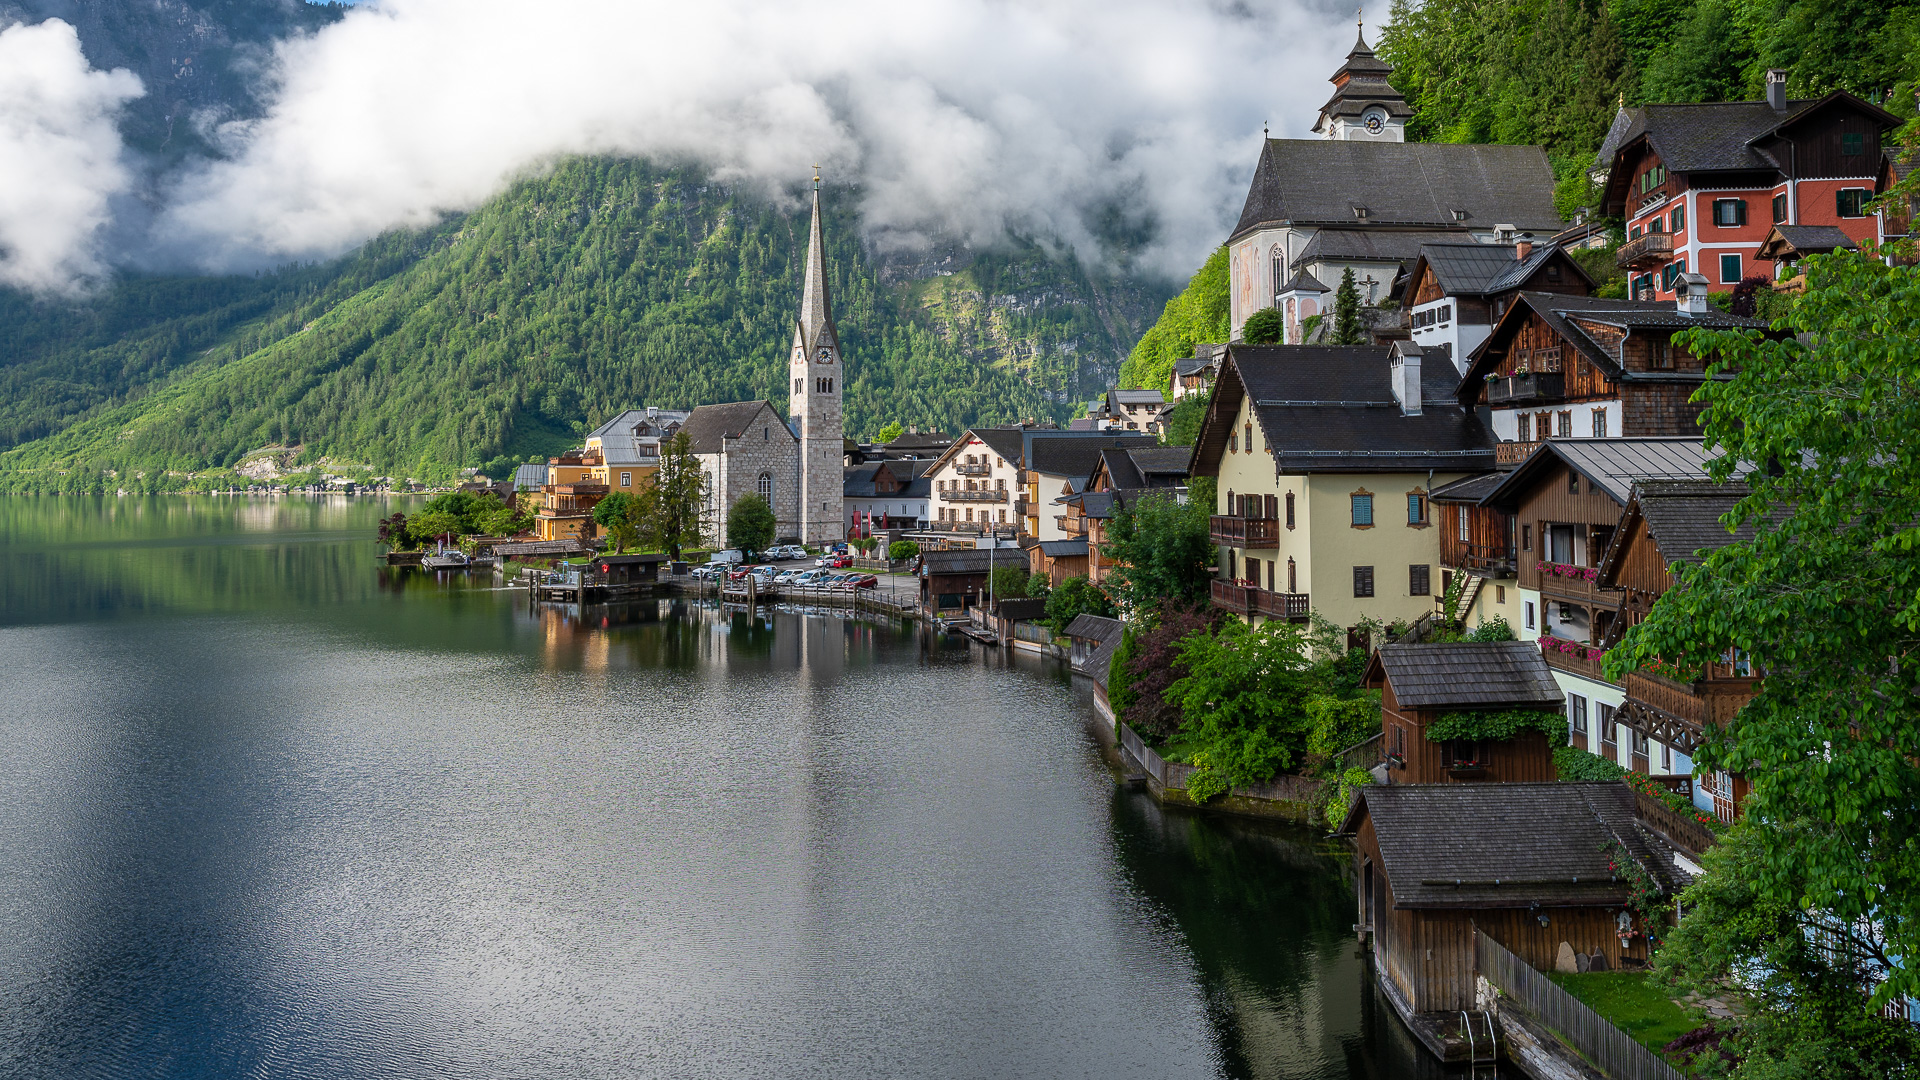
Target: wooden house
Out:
[1456,291]
[1667,522]
[1531,865]
[621,571]
[951,579]
[1422,684]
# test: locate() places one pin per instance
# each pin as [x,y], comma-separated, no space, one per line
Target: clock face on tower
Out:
[1375,120]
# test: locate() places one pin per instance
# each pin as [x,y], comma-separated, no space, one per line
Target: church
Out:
[1361,197]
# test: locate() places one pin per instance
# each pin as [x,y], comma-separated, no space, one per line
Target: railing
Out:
[1579,583]
[977,495]
[976,469]
[1244,532]
[1651,248]
[1666,694]
[1684,831]
[1572,656]
[1253,600]
[1533,386]
[1230,596]
[1613,1050]
[1074,524]
[1480,558]
[1513,453]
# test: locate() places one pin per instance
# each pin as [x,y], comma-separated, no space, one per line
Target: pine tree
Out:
[1346,313]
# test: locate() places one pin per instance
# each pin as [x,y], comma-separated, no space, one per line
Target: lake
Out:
[271,809]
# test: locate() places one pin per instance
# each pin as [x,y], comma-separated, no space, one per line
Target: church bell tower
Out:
[817,368]
[1364,106]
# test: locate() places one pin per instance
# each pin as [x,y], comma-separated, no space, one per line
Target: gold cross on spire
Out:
[816,174]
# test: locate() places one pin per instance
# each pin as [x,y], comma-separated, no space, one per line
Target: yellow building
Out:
[1324,458]
[628,446]
[573,488]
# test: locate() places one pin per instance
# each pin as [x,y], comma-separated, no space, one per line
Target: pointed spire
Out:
[816,307]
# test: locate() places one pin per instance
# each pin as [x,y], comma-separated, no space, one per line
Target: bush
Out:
[1009,582]
[1038,586]
[1572,764]
[1494,629]
[1264,327]
[750,524]
[1339,723]
[1206,783]
[1340,795]
[1076,596]
[1152,665]
[903,549]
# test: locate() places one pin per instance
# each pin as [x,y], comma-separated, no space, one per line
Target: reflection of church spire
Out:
[816,307]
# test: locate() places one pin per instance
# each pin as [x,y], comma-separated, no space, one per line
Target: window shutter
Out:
[1420,579]
[1362,581]
[1740,212]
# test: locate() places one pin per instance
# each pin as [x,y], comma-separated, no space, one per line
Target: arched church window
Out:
[766,487]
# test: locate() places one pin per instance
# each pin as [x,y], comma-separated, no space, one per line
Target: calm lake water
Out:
[268,809]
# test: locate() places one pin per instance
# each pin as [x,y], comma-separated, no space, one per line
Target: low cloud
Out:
[61,162]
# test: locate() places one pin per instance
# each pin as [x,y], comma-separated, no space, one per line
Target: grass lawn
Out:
[1632,1003]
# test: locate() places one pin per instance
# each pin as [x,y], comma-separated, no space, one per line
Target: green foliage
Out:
[1494,629]
[1341,721]
[394,533]
[1009,582]
[1826,594]
[1570,763]
[901,550]
[892,431]
[1241,695]
[1200,314]
[1805,1012]
[1498,725]
[1206,782]
[667,515]
[1182,426]
[1075,597]
[1120,692]
[1340,795]
[597,286]
[1160,552]
[1265,327]
[1347,329]
[430,526]
[1038,586]
[615,515]
[750,523]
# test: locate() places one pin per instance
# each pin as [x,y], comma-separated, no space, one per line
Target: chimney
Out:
[1777,89]
[1691,294]
[1523,247]
[1403,369]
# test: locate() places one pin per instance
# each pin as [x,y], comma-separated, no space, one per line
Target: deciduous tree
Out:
[668,514]
[750,523]
[1160,552]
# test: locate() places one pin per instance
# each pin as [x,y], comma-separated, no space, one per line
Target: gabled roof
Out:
[1303,282]
[1146,466]
[1097,504]
[1794,241]
[1467,675]
[530,477]
[970,560]
[1469,489]
[1063,549]
[1004,442]
[1505,845]
[1682,518]
[1330,408]
[1612,465]
[709,426]
[1483,269]
[1350,244]
[1072,455]
[1094,627]
[1321,181]
[1137,397]
[1564,315]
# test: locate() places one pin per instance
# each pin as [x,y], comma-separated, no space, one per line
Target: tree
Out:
[1199,314]
[902,549]
[1182,426]
[615,514]
[750,523]
[430,526]
[1161,552]
[1075,597]
[892,431]
[1038,586]
[1825,595]
[1009,582]
[1241,697]
[394,533]
[669,507]
[1346,312]
[1265,327]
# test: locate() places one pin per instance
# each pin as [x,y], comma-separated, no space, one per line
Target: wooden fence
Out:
[1614,1051]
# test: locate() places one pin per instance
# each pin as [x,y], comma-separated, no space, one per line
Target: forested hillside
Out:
[502,334]
[1552,73]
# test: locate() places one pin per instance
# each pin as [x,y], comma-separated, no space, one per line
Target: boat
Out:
[447,560]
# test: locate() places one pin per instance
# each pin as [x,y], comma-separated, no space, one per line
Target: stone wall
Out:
[767,447]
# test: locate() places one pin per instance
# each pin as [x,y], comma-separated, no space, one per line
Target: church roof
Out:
[1301,281]
[1361,82]
[1439,186]
[1350,244]
[815,326]
[709,426]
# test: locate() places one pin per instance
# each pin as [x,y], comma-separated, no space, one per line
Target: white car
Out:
[729,557]
[786,577]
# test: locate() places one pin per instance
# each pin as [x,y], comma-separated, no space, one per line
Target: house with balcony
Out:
[1129,410]
[1700,185]
[885,495]
[1194,375]
[1325,458]
[1455,291]
[567,499]
[1121,474]
[976,487]
[1566,501]
[1667,522]
[629,446]
[1060,465]
[1478,546]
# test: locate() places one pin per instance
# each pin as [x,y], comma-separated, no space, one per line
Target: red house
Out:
[1700,186]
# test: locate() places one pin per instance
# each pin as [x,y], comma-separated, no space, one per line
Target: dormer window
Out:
[1459,215]
[1361,213]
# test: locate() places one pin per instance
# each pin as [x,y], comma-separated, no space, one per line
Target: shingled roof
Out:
[1469,489]
[1794,241]
[1331,408]
[709,426]
[1322,181]
[1613,465]
[1371,245]
[1467,675]
[1483,269]
[1564,315]
[1505,845]
[1076,455]
[1682,519]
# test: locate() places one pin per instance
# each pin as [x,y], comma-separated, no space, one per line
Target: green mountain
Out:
[504,333]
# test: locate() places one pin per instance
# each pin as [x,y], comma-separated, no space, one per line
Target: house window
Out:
[798,384]
[1499,594]
[626,479]
[1780,208]
[1362,581]
[1577,713]
[1599,423]
[1660,354]
[1573,482]
[1666,760]
[1361,504]
[1639,744]
[1609,738]
[1466,523]
[1565,426]
[1852,143]
[766,487]
[1249,437]
[1852,202]
[1653,178]
[1420,580]
[1292,581]
[1679,218]
[1525,422]
[1729,269]
[1289,509]
[1529,614]
[1526,541]
[1728,213]
[1416,508]
[1233,443]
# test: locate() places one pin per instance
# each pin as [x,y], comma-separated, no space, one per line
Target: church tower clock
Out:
[1364,106]
[818,374]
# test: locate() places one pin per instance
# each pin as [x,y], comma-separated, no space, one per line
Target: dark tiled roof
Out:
[1097,504]
[1445,845]
[862,481]
[1368,245]
[1138,397]
[1077,455]
[1193,365]
[1094,628]
[1683,517]
[1301,281]
[971,560]
[1469,489]
[1469,675]
[1063,549]
[709,425]
[1330,408]
[1480,269]
[1321,181]
[632,560]
[1005,442]
[1790,240]
[1563,314]
[922,440]
[1615,465]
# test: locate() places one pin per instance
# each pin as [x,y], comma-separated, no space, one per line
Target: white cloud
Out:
[60,160]
[961,117]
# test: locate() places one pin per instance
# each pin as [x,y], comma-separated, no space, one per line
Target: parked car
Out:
[833,562]
[765,572]
[729,557]
[865,581]
[787,577]
[703,573]
[788,551]
[740,574]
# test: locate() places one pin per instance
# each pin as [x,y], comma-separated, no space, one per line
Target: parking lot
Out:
[793,568]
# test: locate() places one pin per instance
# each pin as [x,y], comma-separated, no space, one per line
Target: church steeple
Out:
[1364,106]
[816,307]
[816,365]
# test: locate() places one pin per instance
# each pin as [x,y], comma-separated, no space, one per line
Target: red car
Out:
[864,581]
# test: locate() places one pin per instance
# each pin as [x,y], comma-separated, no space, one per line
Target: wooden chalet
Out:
[1667,522]
[1421,684]
[1456,291]
[1119,474]
[951,579]
[1530,865]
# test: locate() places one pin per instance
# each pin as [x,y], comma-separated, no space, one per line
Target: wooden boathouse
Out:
[1422,685]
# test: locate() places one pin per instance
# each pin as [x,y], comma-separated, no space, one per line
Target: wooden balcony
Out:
[1513,453]
[979,468]
[979,495]
[1573,584]
[1520,389]
[1583,660]
[1251,600]
[1487,560]
[1244,532]
[1072,524]
[1649,250]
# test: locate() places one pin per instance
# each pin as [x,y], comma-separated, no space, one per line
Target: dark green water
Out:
[269,809]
